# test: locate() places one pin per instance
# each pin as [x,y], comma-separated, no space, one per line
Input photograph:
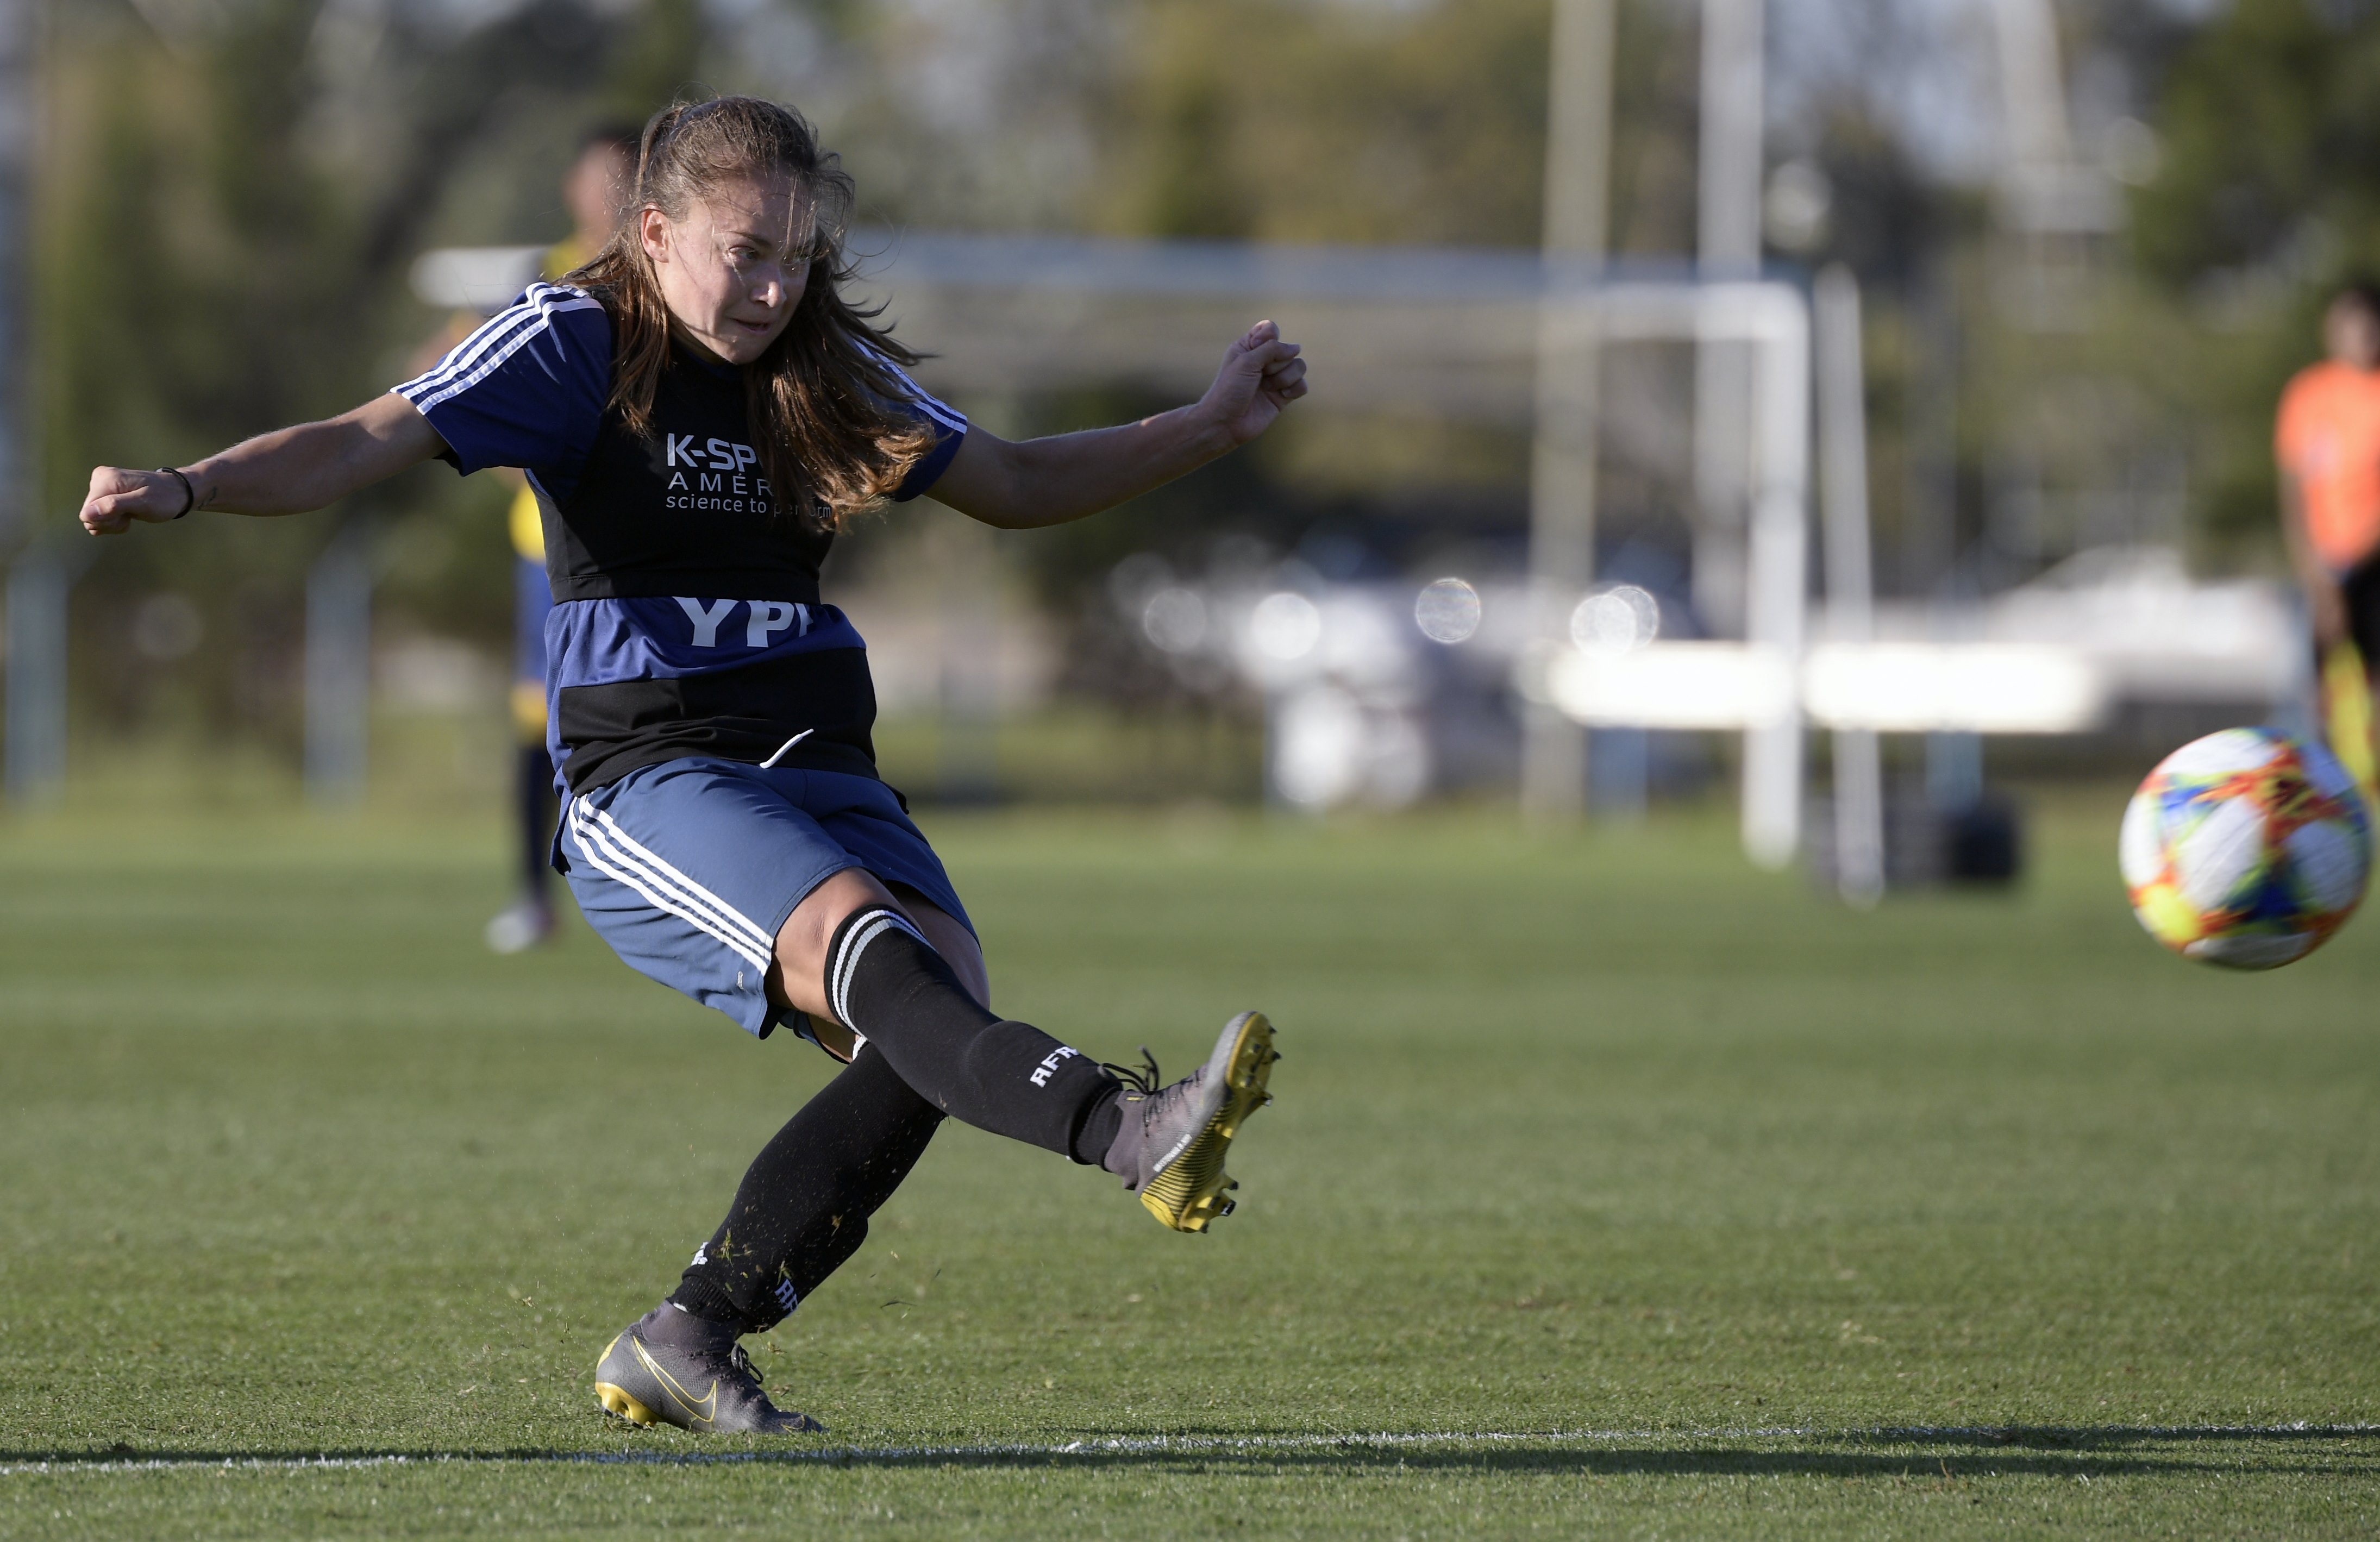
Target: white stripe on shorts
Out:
[619,835]
[616,853]
[722,920]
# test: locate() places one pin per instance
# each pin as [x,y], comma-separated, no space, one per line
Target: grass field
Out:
[1648,1197]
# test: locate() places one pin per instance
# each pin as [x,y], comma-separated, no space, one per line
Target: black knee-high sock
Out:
[804,1204]
[887,982]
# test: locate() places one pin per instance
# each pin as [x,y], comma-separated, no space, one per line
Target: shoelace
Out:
[742,1363]
[1144,1081]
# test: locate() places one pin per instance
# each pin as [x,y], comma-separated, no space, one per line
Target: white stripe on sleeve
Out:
[488,348]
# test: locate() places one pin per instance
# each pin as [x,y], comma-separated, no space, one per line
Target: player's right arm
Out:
[287,471]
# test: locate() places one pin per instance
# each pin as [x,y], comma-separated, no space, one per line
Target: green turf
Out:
[1708,1193]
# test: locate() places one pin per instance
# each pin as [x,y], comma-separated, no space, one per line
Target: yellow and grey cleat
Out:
[1170,1149]
[671,1368]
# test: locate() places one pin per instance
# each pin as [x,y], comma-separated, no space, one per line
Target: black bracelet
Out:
[189,493]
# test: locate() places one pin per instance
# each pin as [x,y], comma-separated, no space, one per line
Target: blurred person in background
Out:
[2326,445]
[700,410]
[595,190]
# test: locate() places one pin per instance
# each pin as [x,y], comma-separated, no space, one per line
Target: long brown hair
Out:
[822,400]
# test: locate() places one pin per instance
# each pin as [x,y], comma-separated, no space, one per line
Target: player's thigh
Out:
[866,817]
[689,870]
[798,979]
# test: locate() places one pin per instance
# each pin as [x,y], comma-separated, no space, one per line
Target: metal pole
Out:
[2033,87]
[1563,459]
[968,571]
[17,125]
[38,583]
[1850,587]
[1775,318]
[1930,564]
[1727,247]
[1776,597]
[339,664]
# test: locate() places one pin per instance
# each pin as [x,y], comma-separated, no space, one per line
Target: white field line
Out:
[1157,1445]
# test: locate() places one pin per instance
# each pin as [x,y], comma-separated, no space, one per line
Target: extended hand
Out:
[1261,375]
[120,495]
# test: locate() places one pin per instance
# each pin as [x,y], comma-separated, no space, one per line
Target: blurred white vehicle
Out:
[1359,679]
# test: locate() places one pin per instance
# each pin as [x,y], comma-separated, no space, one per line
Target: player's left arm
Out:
[1021,485]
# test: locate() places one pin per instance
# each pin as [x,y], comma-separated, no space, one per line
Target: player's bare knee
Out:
[949,937]
[801,942]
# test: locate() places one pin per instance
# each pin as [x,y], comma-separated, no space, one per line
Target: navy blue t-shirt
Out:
[686,617]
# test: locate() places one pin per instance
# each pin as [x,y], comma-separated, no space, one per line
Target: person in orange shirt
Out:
[2327,444]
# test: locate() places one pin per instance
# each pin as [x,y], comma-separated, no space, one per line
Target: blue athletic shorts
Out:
[690,867]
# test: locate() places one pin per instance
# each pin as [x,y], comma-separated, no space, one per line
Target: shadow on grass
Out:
[2064,1451]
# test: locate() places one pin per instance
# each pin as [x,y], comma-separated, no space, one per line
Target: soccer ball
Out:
[2246,848]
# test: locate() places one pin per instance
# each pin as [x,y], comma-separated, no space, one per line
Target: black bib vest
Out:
[688,511]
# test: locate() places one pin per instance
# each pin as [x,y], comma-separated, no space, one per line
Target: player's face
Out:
[2352,334]
[734,269]
[595,188]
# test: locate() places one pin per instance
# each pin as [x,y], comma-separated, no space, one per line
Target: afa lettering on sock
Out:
[1042,1072]
[886,981]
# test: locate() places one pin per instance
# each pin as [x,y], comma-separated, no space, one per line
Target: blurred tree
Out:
[983,116]
[1408,125]
[2270,120]
[1280,120]
[2265,193]
[230,201]
[656,60]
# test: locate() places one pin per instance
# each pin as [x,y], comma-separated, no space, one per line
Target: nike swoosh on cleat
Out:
[705,1409]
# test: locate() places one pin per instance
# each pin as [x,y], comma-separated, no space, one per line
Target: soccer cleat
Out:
[1170,1148]
[671,1368]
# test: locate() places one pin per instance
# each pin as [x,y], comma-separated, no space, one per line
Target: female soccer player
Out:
[700,410]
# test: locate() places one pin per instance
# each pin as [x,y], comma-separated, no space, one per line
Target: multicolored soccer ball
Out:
[2246,848]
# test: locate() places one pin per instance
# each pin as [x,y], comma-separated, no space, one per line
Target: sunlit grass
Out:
[1607,1137]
